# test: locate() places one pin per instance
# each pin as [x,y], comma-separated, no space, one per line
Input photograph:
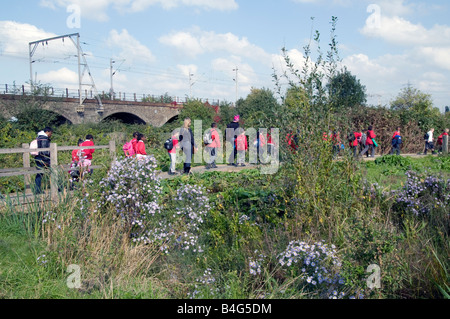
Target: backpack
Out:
[168,144]
[128,149]
[351,137]
[207,138]
[426,136]
[34,145]
[397,140]
[363,139]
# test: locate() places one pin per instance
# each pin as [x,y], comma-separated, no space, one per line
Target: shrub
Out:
[134,193]
[316,266]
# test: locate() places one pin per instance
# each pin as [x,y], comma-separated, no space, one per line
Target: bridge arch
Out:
[125,117]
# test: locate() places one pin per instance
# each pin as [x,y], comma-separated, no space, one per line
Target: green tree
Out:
[259,109]
[414,105]
[413,99]
[345,90]
[196,110]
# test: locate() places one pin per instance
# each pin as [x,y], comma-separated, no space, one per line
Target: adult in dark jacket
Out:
[187,144]
[231,136]
[43,157]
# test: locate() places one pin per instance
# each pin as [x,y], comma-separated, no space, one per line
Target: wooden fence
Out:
[27,170]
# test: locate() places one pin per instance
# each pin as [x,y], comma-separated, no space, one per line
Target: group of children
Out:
[136,147]
[367,143]
[82,159]
[429,141]
[360,144]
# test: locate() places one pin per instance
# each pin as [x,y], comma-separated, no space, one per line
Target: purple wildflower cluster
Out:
[422,194]
[133,188]
[317,265]
[255,264]
[135,191]
[207,281]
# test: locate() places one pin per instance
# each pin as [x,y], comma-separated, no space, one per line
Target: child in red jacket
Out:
[369,143]
[354,144]
[140,146]
[440,140]
[241,146]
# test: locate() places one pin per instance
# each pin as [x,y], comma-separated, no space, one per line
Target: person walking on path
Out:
[241,146]
[212,148]
[140,146]
[336,141]
[396,142]
[86,159]
[173,153]
[440,140]
[43,158]
[369,142]
[429,142]
[353,143]
[188,144]
[231,139]
[75,170]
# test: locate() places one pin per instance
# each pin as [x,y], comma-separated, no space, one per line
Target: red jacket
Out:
[241,143]
[175,145]
[215,139]
[370,135]
[290,139]
[395,134]
[441,138]
[75,157]
[335,138]
[358,135]
[88,152]
[140,148]
[133,142]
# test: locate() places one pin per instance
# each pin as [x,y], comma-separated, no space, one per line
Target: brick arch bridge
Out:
[154,114]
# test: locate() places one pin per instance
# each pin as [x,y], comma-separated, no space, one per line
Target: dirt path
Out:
[194,170]
[227,169]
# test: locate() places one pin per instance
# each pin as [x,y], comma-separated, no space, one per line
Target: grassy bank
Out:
[253,236]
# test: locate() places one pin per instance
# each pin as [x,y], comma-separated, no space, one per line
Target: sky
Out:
[221,49]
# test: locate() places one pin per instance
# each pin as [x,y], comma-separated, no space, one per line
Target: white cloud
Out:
[97,10]
[221,5]
[438,56]
[16,36]
[399,31]
[130,48]
[60,78]
[199,42]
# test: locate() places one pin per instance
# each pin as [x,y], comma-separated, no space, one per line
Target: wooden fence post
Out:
[54,172]
[26,164]
[112,148]
[445,144]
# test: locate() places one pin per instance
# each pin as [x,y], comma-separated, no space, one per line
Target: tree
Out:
[411,98]
[196,110]
[260,108]
[345,90]
[415,105]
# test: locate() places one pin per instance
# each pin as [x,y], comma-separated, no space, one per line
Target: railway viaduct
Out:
[154,114]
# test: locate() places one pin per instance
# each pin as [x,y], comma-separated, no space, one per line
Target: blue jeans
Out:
[38,180]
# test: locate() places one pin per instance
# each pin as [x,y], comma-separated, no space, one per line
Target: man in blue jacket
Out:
[43,158]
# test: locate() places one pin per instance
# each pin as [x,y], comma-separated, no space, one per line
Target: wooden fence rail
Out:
[27,170]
